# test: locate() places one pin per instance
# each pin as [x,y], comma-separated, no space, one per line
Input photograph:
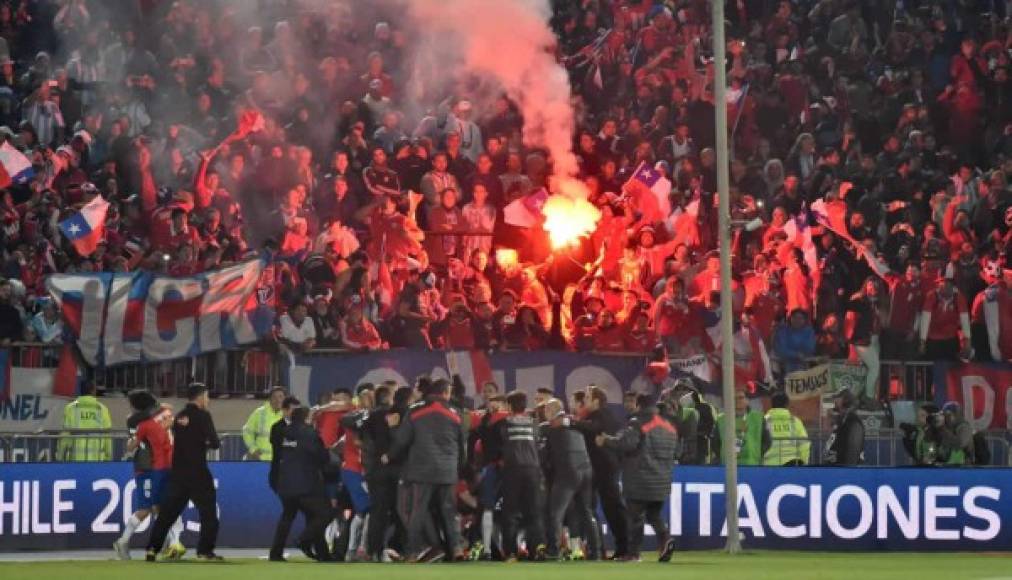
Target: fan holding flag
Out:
[86,228]
[15,168]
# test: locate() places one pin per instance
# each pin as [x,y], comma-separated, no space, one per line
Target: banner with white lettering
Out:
[85,505]
[983,389]
[142,316]
[889,509]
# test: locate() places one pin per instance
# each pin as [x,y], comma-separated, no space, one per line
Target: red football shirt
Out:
[158,441]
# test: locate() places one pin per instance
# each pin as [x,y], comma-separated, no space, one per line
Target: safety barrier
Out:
[83,445]
[252,371]
[882,449]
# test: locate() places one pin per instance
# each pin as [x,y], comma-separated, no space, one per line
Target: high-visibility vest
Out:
[256,433]
[86,413]
[748,437]
[789,439]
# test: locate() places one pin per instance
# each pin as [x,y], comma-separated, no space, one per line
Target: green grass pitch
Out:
[684,566]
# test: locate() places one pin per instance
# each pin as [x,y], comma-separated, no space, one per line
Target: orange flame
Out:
[568,215]
[506,258]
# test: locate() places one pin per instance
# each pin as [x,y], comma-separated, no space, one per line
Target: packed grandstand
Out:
[400,192]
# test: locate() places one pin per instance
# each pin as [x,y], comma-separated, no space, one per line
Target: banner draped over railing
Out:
[143,316]
[983,389]
[564,372]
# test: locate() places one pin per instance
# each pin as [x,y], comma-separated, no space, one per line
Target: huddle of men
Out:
[415,474]
[394,473]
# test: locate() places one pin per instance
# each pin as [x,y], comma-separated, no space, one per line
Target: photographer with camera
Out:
[957,445]
[923,441]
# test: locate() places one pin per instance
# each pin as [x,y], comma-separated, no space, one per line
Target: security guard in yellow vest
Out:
[256,433]
[790,444]
[85,414]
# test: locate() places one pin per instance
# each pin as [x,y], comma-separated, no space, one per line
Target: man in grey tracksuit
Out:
[432,440]
[649,446]
[567,464]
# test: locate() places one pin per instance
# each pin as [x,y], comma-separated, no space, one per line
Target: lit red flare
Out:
[568,218]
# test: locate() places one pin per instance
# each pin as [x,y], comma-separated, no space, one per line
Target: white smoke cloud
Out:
[510,43]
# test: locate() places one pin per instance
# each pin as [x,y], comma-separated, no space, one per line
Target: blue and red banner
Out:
[142,316]
[565,372]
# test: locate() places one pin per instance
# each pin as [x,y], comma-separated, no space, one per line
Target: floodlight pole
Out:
[728,447]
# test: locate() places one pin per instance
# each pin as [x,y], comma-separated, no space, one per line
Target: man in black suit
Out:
[288,509]
[190,479]
[300,481]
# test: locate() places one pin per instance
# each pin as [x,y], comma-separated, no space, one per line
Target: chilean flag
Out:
[652,189]
[15,168]
[526,211]
[85,229]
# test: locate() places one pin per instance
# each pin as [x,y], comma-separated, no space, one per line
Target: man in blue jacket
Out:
[794,341]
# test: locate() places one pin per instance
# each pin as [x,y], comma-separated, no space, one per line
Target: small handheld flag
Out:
[86,228]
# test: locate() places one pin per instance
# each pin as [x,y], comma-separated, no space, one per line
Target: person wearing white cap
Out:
[471,144]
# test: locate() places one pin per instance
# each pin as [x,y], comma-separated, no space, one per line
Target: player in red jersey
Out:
[152,448]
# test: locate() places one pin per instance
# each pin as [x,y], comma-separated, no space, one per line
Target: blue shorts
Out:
[354,483]
[150,485]
[489,488]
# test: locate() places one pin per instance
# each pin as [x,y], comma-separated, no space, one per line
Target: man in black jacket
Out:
[599,420]
[431,441]
[300,480]
[648,445]
[191,480]
[846,443]
[521,478]
[377,437]
[288,509]
[568,465]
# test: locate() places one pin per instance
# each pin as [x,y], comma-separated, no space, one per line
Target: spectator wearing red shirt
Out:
[358,333]
[680,323]
[768,307]
[639,337]
[586,327]
[945,323]
[456,331]
[170,229]
[610,335]
[906,297]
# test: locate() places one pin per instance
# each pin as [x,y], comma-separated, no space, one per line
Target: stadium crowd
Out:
[386,214]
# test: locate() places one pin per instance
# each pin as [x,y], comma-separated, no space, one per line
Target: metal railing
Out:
[84,445]
[253,370]
[881,449]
